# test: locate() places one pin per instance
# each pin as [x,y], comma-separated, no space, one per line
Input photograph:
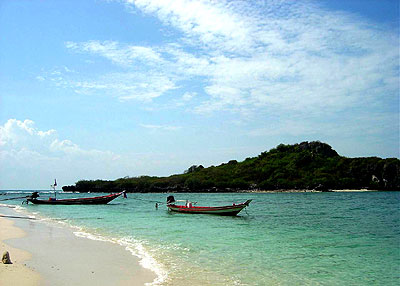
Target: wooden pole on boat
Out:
[54,188]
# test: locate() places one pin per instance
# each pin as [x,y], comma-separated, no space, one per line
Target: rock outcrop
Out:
[6,258]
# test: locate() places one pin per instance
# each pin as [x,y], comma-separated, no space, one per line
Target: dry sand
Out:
[17,273]
[62,258]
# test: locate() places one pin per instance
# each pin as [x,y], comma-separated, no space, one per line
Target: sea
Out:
[335,238]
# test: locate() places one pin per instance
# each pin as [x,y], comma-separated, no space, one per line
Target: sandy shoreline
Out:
[17,273]
[57,257]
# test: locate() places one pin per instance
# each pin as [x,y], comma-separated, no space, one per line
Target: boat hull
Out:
[101,200]
[224,210]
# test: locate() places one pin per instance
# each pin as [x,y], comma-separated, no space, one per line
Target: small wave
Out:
[29,192]
[17,192]
[17,208]
[146,260]
[24,211]
[20,210]
[8,206]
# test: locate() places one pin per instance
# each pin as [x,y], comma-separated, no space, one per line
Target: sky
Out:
[99,89]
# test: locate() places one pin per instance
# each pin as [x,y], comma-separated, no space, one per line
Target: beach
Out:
[45,253]
[16,273]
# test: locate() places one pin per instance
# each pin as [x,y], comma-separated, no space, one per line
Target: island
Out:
[304,166]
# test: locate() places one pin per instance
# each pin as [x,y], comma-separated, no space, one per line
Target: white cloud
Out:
[26,149]
[187,96]
[65,146]
[210,22]
[122,55]
[288,55]
[23,133]
[161,127]
[22,137]
[252,57]
[124,86]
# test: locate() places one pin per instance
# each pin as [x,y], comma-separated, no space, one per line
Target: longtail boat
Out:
[77,201]
[230,210]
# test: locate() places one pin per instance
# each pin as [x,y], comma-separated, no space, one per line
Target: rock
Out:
[318,148]
[6,258]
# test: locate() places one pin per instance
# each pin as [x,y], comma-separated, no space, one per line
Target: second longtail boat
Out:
[230,210]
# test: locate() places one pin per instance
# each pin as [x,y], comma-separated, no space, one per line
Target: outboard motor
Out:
[170,199]
[34,195]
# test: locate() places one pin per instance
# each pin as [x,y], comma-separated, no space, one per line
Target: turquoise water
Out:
[283,239]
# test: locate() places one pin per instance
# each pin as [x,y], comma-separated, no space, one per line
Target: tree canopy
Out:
[308,165]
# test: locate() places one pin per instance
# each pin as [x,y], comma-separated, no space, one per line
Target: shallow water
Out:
[282,239]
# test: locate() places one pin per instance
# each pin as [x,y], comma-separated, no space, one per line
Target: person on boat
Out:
[34,196]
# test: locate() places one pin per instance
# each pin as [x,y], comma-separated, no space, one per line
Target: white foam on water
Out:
[19,208]
[7,206]
[29,192]
[146,260]
[23,210]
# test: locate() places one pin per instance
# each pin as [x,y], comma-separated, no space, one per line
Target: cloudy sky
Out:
[107,89]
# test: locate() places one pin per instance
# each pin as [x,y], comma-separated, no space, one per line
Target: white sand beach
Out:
[16,273]
[46,254]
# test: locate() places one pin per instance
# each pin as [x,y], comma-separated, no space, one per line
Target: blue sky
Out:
[107,89]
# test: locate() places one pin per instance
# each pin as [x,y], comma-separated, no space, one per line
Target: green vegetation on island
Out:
[304,166]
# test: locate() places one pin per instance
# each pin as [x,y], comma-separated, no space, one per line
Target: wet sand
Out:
[61,258]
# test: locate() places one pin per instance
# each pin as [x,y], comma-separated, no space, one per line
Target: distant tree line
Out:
[308,165]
